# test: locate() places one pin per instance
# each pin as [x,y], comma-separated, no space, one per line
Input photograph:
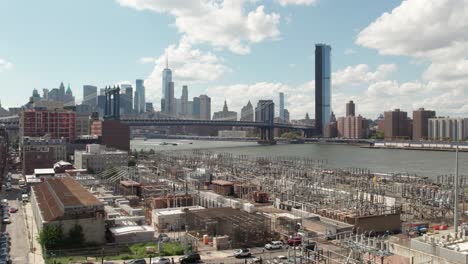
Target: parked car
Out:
[6,220]
[161,261]
[242,253]
[254,260]
[8,187]
[295,241]
[13,210]
[164,238]
[192,258]
[280,260]
[274,245]
[136,261]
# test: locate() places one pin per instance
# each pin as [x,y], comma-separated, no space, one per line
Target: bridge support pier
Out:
[267,136]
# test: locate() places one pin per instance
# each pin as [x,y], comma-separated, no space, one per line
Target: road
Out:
[17,229]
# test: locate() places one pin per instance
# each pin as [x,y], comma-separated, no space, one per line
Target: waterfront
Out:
[424,163]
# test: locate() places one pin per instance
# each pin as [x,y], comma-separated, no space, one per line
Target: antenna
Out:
[167,60]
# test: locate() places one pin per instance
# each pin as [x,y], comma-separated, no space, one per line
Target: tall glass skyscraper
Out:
[167,101]
[322,87]
[281,106]
[140,93]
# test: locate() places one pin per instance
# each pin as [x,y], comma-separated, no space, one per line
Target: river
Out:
[424,163]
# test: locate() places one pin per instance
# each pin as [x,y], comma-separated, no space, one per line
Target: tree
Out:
[51,236]
[75,236]
[132,163]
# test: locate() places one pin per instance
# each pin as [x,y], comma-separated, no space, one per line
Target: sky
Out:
[385,54]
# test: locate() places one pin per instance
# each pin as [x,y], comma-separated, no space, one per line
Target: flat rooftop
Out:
[121,230]
[44,171]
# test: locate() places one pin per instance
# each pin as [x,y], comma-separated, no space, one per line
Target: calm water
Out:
[427,163]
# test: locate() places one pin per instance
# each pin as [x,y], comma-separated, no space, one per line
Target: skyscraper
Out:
[184,100]
[90,96]
[350,109]
[196,108]
[281,106]
[166,101]
[140,89]
[247,113]
[170,101]
[126,100]
[322,86]
[205,107]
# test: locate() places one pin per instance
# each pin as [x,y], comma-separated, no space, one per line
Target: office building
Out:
[140,93]
[247,112]
[184,101]
[97,158]
[64,202]
[420,123]
[265,111]
[90,96]
[225,115]
[196,108]
[205,107]
[397,125]
[149,108]
[69,99]
[55,124]
[448,129]
[82,124]
[350,109]
[126,99]
[167,99]
[286,116]
[322,86]
[281,106]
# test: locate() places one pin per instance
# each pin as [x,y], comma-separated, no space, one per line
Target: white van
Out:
[24,198]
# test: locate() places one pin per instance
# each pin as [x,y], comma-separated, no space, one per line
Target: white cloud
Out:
[220,23]
[420,28]
[189,66]
[361,74]
[5,65]
[349,51]
[434,31]
[296,2]
[299,99]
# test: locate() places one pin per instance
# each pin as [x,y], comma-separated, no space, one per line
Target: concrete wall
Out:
[378,224]
[417,256]
[445,253]
[93,228]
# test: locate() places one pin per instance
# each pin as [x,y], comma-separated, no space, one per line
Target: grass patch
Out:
[133,252]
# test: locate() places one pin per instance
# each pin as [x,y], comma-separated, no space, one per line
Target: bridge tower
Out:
[265,113]
[112,103]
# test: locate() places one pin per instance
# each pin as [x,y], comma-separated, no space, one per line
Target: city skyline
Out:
[377,77]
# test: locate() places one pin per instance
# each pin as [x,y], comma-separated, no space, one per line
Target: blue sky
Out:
[241,49]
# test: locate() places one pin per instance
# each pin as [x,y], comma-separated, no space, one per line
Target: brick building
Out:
[420,123]
[55,124]
[397,125]
[113,134]
[64,202]
[222,187]
[352,127]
